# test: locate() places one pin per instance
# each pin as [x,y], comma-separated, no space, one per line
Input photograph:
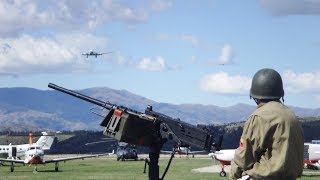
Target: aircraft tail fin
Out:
[46,140]
[111,153]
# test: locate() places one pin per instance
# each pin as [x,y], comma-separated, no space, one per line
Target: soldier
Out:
[272,142]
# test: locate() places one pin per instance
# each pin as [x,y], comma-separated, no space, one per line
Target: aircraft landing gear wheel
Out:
[120,157]
[11,169]
[223,174]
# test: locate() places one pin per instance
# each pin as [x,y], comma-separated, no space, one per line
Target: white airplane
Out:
[184,150]
[312,155]
[34,155]
[17,151]
[93,53]
[224,157]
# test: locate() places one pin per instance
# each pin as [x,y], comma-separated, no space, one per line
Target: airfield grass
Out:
[109,168]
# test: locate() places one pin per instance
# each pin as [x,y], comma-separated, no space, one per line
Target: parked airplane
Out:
[17,151]
[126,151]
[34,155]
[184,150]
[224,157]
[123,150]
[311,157]
[93,53]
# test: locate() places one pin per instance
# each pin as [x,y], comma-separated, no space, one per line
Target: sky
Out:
[171,51]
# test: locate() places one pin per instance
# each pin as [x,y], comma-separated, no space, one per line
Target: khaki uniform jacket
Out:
[271,145]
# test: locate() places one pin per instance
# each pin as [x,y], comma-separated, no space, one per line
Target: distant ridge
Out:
[25,109]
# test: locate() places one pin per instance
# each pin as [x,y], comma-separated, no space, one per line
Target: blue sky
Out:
[199,52]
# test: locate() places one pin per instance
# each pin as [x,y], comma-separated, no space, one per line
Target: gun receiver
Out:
[145,129]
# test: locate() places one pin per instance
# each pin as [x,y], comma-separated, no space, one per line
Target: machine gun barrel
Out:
[81,96]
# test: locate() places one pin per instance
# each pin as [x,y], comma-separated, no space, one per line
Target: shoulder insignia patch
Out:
[241,143]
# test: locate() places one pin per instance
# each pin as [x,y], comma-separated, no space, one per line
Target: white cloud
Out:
[61,53]
[301,82]
[224,83]
[115,10]
[152,65]
[21,16]
[294,83]
[291,7]
[193,59]
[83,41]
[16,16]
[226,55]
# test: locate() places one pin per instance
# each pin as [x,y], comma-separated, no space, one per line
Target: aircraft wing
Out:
[106,53]
[12,160]
[109,154]
[165,152]
[76,157]
[198,152]
[190,152]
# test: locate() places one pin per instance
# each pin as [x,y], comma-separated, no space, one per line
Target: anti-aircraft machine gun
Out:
[150,129]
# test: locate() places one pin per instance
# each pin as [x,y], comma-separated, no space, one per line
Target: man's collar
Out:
[263,103]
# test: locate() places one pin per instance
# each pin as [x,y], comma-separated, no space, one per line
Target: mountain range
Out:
[28,109]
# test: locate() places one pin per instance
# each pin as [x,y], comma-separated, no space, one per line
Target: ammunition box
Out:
[130,127]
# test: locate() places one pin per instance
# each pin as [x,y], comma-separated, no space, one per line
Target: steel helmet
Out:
[266,84]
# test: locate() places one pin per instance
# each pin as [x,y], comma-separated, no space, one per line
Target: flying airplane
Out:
[17,151]
[93,53]
[34,155]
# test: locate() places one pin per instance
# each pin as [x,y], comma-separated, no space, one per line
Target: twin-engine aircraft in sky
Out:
[93,53]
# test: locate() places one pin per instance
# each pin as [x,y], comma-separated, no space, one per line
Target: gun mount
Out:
[150,129]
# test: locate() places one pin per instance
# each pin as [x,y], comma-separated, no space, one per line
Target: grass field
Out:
[109,168]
